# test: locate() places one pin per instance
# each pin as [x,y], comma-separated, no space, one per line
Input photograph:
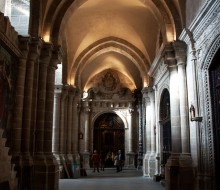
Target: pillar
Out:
[56,123]
[17,131]
[172,166]
[130,154]
[147,132]
[75,127]
[20,87]
[62,136]
[186,169]
[86,153]
[152,158]
[69,124]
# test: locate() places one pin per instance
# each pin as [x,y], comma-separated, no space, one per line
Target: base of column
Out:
[152,164]
[130,160]
[85,160]
[46,172]
[179,172]
[146,165]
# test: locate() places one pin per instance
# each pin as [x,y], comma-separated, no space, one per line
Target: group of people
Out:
[98,160]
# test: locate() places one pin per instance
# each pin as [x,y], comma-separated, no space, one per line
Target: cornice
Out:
[204,18]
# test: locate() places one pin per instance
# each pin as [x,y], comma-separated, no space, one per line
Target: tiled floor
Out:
[111,180]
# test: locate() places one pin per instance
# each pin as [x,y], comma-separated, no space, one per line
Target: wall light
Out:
[192,114]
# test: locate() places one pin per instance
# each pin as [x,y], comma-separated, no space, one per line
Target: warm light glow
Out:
[170,33]
[46,38]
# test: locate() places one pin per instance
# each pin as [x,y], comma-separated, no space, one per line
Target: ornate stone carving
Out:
[160,71]
[208,138]
[109,81]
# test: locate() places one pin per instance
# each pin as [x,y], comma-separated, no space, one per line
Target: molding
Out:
[201,22]
[8,35]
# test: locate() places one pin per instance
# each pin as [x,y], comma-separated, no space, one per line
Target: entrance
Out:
[166,126]
[215,94]
[109,136]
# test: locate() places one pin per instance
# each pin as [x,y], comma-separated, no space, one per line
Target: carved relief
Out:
[162,68]
[208,138]
[109,81]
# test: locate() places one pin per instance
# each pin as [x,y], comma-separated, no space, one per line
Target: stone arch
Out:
[64,8]
[115,44]
[165,126]
[120,114]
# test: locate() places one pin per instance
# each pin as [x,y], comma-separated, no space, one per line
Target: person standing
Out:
[120,160]
[102,161]
[95,160]
[116,162]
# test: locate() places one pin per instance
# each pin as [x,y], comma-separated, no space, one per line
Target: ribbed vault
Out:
[119,34]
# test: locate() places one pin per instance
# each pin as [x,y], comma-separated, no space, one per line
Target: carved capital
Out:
[46,53]
[35,48]
[169,55]
[180,51]
[56,58]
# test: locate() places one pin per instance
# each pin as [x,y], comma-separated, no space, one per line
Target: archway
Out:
[166,127]
[214,72]
[109,135]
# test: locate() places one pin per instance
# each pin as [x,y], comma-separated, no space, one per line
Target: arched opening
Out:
[214,72]
[166,127]
[109,136]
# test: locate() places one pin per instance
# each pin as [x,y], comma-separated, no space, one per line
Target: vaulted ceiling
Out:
[122,35]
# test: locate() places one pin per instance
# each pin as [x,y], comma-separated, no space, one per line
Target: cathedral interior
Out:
[142,76]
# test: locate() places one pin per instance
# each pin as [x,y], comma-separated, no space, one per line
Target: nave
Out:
[129,179]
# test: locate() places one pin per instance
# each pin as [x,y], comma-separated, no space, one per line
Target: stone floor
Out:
[111,180]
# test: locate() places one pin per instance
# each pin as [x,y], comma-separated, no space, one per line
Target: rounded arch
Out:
[160,93]
[164,104]
[120,114]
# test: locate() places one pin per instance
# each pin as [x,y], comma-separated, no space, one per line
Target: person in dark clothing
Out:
[95,160]
[102,161]
[120,160]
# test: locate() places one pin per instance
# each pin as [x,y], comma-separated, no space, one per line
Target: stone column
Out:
[75,129]
[86,127]
[20,88]
[152,158]
[56,123]
[39,159]
[47,176]
[148,132]
[140,133]
[27,136]
[63,113]
[158,168]
[86,134]
[186,170]
[69,124]
[130,154]
[41,100]
[130,124]
[172,166]
[18,131]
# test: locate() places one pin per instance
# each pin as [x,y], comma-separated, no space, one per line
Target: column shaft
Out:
[19,99]
[183,108]
[39,130]
[56,121]
[28,94]
[174,110]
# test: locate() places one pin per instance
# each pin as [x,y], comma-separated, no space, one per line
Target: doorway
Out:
[215,94]
[109,136]
[166,127]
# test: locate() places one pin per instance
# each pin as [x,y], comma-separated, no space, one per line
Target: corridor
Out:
[110,180]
